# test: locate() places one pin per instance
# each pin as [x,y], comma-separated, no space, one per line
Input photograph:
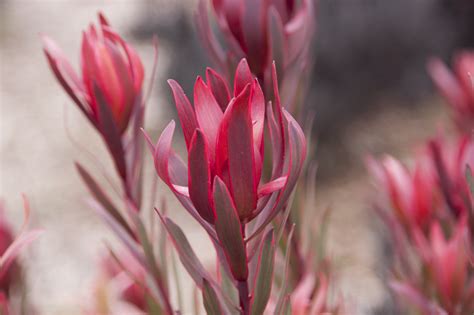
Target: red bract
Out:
[457,87]
[411,193]
[447,260]
[262,32]
[112,74]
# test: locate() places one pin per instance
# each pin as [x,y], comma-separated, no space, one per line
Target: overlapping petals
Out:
[112,75]
[226,141]
[262,32]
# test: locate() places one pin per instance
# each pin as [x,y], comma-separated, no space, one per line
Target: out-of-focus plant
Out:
[110,94]
[457,87]
[223,188]
[11,247]
[263,32]
[431,226]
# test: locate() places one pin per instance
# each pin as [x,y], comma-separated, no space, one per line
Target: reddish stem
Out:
[242,285]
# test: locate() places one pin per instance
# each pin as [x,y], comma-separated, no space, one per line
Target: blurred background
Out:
[369,92]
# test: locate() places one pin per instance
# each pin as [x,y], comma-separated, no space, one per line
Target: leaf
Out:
[186,113]
[211,302]
[280,303]
[208,113]
[277,39]
[199,181]
[240,147]
[218,87]
[243,77]
[264,275]
[229,231]
[15,248]
[272,186]
[102,198]
[186,254]
[110,133]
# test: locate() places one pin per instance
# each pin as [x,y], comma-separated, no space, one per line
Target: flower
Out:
[112,75]
[223,186]
[457,87]
[262,32]
[224,139]
[410,192]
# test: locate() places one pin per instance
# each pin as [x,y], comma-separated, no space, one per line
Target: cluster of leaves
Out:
[431,215]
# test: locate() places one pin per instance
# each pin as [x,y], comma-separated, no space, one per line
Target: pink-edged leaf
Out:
[299,31]
[264,275]
[242,169]
[446,82]
[218,87]
[110,132]
[243,77]
[67,77]
[210,299]
[185,111]
[186,254]
[16,247]
[101,197]
[258,115]
[208,114]
[163,152]
[229,231]
[200,176]
[280,302]
[277,39]
[208,39]
[272,186]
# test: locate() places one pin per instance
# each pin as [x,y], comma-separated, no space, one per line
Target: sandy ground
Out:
[36,158]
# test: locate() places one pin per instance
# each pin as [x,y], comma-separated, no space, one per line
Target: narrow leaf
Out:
[186,254]
[185,111]
[229,231]
[283,290]
[264,276]
[102,198]
[211,302]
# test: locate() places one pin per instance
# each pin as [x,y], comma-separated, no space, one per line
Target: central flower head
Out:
[224,135]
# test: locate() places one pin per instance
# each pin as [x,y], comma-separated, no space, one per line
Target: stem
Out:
[244,297]
[242,285]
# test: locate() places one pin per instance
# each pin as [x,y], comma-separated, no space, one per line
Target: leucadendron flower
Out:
[111,80]
[263,32]
[222,185]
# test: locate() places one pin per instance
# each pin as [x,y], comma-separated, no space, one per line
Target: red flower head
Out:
[447,260]
[224,138]
[222,185]
[411,193]
[457,87]
[112,75]
[262,32]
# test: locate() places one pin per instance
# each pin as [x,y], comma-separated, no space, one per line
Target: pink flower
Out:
[448,261]
[262,32]
[411,192]
[112,75]
[224,138]
[223,186]
[457,87]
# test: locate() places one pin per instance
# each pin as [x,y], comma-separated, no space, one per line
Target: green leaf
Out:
[102,198]
[209,296]
[280,305]
[229,231]
[186,254]
[264,275]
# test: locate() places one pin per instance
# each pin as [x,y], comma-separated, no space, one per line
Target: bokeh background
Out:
[369,93]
